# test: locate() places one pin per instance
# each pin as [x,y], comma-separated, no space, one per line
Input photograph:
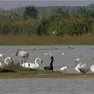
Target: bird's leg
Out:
[25,59]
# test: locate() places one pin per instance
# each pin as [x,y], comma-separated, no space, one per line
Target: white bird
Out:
[63,68]
[77,60]
[48,53]
[77,67]
[54,32]
[2,55]
[32,65]
[1,65]
[62,53]
[5,61]
[82,68]
[7,58]
[92,68]
[23,54]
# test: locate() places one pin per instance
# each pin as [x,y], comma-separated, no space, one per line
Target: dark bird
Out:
[50,67]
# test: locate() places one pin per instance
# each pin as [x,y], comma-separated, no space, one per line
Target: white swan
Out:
[82,68]
[2,55]
[1,65]
[77,67]
[92,68]
[32,65]
[5,60]
[63,68]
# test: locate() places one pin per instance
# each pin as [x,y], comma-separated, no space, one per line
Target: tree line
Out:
[55,21]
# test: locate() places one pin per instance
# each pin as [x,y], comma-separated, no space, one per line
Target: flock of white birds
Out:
[80,68]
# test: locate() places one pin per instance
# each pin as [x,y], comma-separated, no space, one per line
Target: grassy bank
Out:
[47,40]
[43,74]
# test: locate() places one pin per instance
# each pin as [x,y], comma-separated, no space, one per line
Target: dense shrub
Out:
[45,22]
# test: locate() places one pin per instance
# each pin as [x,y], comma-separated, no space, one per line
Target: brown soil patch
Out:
[11,75]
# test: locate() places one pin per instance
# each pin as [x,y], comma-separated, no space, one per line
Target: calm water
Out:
[71,53]
[53,85]
[47,86]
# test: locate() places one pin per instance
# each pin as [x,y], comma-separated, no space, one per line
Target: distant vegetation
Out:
[59,21]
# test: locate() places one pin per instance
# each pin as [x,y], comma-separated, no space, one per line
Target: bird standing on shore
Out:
[23,54]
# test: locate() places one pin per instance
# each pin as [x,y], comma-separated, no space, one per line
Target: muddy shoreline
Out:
[70,75]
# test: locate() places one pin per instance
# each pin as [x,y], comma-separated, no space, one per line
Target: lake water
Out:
[47,86]
[71,53]
[50,85]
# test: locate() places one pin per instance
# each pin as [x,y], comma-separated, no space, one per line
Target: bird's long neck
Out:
[17,52]
[78,65]
[51,63]
[6,60]
[36,61]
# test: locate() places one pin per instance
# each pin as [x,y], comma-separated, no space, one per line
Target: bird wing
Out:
[22,53]
[78,59]
[63,68]
[92,68]
[30,65]
[83,66]
[77,69]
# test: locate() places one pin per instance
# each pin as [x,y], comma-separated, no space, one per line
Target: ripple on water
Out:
[47,86]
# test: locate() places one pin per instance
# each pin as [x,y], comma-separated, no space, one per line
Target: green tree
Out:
[30,12]
[43,27]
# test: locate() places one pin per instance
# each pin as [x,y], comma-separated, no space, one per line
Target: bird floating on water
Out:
[62,53]
[48,53]
[50,67]
[78,59]
[63,68]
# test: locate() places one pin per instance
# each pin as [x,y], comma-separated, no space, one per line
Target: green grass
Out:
[29,73]
[25,70]
[47,40]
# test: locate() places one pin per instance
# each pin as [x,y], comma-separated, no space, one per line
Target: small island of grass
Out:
[29,73]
